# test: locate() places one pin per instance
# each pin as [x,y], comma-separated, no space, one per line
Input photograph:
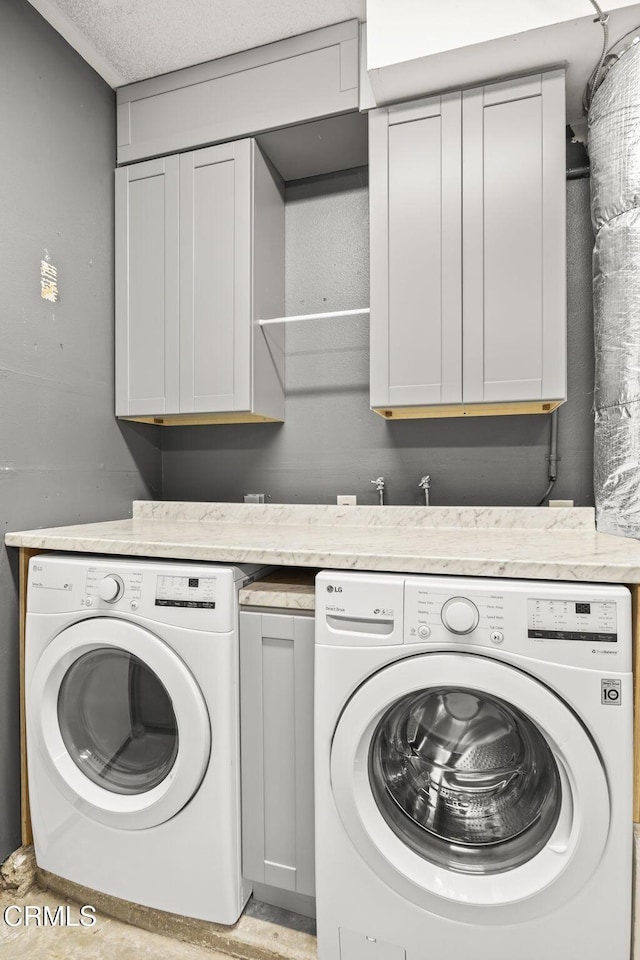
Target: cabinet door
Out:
[514,308]
[276,708]
[147,251]
[415,207]
[215,278]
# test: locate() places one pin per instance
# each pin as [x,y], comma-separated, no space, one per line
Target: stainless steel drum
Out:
[464,779]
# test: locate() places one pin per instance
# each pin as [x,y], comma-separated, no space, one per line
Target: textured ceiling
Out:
[127,40]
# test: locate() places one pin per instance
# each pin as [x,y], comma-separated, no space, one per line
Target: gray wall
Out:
[331,442]
[63,457]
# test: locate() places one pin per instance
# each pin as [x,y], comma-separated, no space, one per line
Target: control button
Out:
[134,604]
[88,601]
[424,632]
[460,615]
[110,588]
[497,636]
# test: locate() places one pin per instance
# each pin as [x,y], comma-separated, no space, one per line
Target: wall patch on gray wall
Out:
[48,279]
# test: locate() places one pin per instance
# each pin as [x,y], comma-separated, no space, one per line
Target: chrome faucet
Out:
[425,484]
[379,484]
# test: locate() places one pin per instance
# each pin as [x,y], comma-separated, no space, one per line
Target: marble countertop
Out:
[539,543]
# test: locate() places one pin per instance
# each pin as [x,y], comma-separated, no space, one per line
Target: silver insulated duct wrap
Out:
[614,150]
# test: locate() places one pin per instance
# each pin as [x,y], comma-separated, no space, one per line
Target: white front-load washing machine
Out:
[473,768]
[132,710]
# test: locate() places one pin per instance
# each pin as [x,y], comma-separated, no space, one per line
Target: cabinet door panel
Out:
[514,314]
[215,278]
[513,250]
[415,259]
[147,288]
[276,706]
[415,253]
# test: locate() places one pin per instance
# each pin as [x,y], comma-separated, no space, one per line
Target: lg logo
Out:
[331,589]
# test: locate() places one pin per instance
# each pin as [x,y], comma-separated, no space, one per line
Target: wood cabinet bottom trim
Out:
[25,813]
[468,409]
[193,419]
[635,634]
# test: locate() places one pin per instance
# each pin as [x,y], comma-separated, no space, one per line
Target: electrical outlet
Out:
[561,503]
[346,500]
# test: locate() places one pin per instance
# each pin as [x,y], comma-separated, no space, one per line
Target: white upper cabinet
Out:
[215,279]
[415,198]
[199,258]
[468,288]
[514,246]
[147,266]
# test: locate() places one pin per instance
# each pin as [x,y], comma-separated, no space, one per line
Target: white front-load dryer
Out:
[131,687]
[473,768]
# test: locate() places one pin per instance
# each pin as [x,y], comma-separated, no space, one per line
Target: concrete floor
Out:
[108,940]
[124,930]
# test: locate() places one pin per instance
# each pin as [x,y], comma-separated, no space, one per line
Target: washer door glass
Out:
[117,721]
[465,779]
[469,787]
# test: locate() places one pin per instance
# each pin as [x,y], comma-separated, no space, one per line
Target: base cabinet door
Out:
[200,258]
[468,287]
[276,712]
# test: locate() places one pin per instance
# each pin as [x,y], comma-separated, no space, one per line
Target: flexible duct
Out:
[614,149]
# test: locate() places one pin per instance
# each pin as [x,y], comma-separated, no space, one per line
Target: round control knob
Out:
[110,588]
[460,615]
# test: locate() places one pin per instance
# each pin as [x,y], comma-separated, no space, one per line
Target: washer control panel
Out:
[110,588]
[582,624]
[431,613]
[460,615]
[584,620]
[577,624]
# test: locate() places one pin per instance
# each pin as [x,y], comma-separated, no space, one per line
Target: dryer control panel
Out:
[195,596]
[199,593]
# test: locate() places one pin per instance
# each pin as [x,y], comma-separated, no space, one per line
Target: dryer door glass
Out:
[117,721]
[464,779]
